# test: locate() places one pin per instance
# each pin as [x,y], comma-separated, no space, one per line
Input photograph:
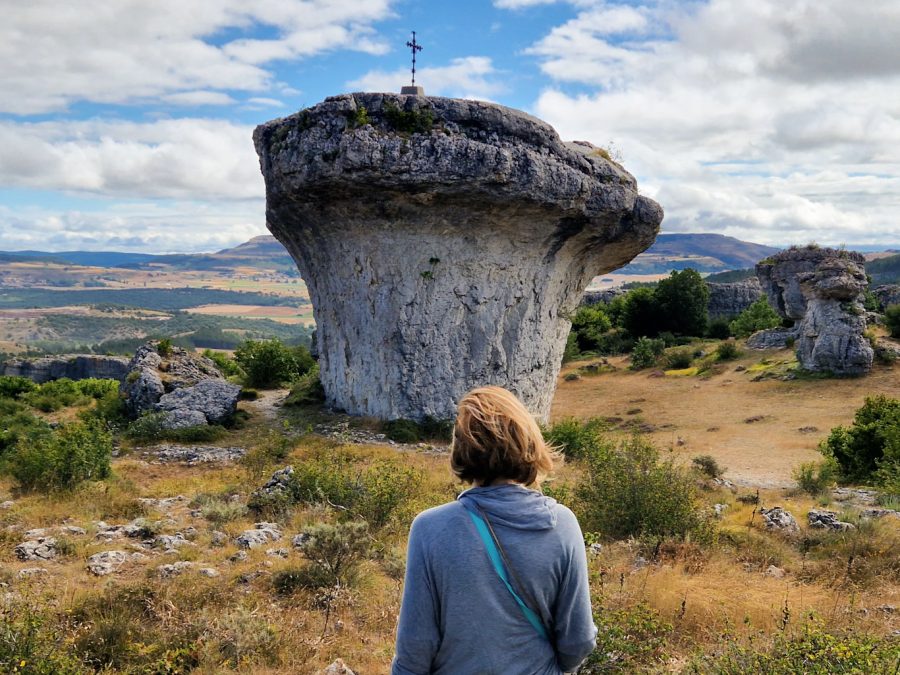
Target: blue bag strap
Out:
[497,562]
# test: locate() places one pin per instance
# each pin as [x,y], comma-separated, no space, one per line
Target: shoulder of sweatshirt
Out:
[432,521]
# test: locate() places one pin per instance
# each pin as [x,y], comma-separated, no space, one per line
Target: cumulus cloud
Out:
[467,77]
[55,52]
[179,158]
[767,121]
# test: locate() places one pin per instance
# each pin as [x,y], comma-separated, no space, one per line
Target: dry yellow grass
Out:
[711,414]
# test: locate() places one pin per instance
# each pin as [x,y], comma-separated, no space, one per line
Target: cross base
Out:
[413,91]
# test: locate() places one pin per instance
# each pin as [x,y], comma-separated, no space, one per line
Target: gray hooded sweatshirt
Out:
[457,616]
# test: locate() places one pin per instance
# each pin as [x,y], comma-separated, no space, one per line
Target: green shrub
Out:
[727,351]
[402,431]
[683,300]
[679,359]
[149,428]
[719,329]
[14,386]
[32,644]
[640,313]
[589,325]
[628,491]
[575,438]
[815,478]
[871,443]
[892,320]
[225,363]
[97,388]
[73,453]
[55,395]
[307,389]
[629,640]
[758,316]
[164,347]
[16,423]
[408,121]
[270,363]
[811,650]
[248,394]
[571,351]
[708,466]
[646,353]
[335,551]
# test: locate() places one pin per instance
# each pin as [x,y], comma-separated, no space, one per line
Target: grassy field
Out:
[661,608]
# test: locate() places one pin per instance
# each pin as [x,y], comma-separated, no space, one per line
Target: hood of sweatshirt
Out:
[512,506]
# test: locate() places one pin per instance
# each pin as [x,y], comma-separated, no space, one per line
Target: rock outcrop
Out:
[73,367]
[188,389]
[729,300]
[444,242]
[888,294]
[821,290]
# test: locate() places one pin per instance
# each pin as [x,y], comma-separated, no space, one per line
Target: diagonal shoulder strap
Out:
[494,554]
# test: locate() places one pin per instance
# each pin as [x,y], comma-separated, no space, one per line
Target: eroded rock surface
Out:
[729,300]
[444,242]
[73,367]
[821,290]
[188,389]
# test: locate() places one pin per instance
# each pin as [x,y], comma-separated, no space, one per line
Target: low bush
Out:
[575,438]
[271,363]
[149,428]
[307,389]
[335,552]
[727,351]
[719,329]
[14,386]
[627,490]
[892,320]
[646,353]
[629,640]
[679,359]
[815,478]
[758,316]
[225,363]
[589,325]
[72,453]
[410,431]
[708,466]
[30,643]
[812,649]
[870,444]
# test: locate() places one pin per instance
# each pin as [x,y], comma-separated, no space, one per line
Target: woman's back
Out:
[458,616]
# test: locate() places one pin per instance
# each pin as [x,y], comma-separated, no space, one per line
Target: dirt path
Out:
[759,430]
[269,403]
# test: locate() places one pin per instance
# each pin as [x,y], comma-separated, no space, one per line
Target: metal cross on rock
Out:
[415,47]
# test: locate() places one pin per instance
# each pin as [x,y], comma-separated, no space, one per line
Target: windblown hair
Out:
[496,438]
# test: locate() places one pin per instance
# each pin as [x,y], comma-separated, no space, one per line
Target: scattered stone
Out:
[777,518]
[277,484]
[879,513]
[740,369]
[595,549]
[855,495]
[170,542]
[42,548]
[571,377]
[218,538]
[190,533]
[639,563]
[712,429]
[173,569]
[657,373]
[680,442]
[338,667]
[299,540]
[37,533]
[164,504]
[754,419]
[808,430]
[827,520]
[73,530]
[723,482]
[31,572]
[8,504]
[261,534]
[106,562]
[195,454]
[209,572]
[720,509]
[138,557]
[775,572]
[451,201]
[239,556]
[277,552]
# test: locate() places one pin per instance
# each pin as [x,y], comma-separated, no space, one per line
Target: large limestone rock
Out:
[187,388]
[73,367]
[887,294]
[822,291]
[444,243]
[729,300]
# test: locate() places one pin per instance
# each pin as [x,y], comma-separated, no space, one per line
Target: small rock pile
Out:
[778,519]
[827,520]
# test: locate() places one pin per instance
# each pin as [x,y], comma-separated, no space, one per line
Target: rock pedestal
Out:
[822,290]
[444,244]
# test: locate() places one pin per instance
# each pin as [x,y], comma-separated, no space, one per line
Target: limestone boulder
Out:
[780,520]
[213,399]
[729,300]
[444,243]
[42,548]
[772,338]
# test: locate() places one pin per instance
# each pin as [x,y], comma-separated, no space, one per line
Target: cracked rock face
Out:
[444,243]
[822,290]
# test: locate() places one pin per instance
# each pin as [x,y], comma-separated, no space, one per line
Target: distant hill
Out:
[85,258]
[702,251]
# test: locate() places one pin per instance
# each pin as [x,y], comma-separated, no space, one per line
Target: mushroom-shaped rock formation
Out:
[821,289]
[444,244]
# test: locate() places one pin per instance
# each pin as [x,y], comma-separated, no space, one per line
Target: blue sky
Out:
[127,126]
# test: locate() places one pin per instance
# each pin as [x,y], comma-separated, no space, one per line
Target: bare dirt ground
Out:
[759,430]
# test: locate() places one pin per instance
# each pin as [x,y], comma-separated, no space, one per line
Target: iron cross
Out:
[415,47]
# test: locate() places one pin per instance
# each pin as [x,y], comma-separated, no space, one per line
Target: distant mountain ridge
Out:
[704,252]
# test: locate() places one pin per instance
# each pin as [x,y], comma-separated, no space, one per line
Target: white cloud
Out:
[772,122]
[468,77]
[55,52]
[180,158]
[168,227]
[194,98]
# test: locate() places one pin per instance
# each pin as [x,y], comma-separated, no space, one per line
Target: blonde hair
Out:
[496,438]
